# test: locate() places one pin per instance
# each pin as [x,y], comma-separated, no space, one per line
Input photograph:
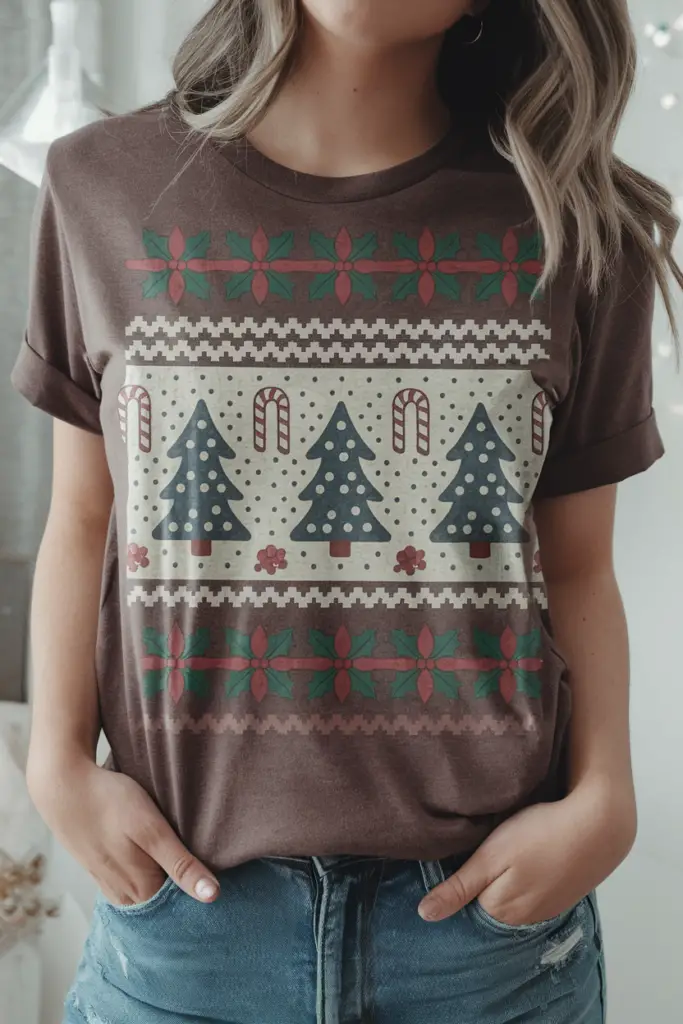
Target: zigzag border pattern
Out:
[353,725]
[192,597]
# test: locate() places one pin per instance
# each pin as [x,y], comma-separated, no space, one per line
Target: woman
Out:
[333,376]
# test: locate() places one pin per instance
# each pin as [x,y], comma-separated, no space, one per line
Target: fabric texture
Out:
[327,407]
[333,941]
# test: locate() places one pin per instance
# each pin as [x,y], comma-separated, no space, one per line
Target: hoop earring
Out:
[471,42]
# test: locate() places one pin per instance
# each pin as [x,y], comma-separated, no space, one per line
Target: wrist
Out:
[51,765]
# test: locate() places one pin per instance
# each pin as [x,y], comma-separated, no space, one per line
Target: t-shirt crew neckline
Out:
[356,188]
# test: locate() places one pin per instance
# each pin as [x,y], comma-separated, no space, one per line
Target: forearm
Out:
[63,635]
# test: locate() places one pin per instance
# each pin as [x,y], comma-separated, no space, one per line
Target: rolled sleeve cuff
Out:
[600,465]
[52,391]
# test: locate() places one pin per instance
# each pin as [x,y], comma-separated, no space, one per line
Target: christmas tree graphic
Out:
[340,491]
[200,490]
[480,492]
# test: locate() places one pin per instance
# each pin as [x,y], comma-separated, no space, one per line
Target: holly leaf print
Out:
[363,645]
[155,643]
[197,284]
[527,282]
[154,681]
[446,683]
[196,681]
[445,644]
[364,247]
[239,247]
[490,247]
[279,284]
[238,682]
[489,286]
[197,644]
[156,246]
[448,285]
[280,246]
[323,247]
[528,682]
[279,683]
[487,683]
[405,644]
[239,644]
[448,247]
[406,284]
[529,249]
[361,682]
[197,246]
[528,645]
[322,644]
[404,683]
[238,285]
[279,643]
[322,285]
[321,684]
[363,284]
[488,645]
[406,248]
[155,284]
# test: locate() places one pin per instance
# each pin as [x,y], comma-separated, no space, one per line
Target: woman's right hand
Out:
[116,831]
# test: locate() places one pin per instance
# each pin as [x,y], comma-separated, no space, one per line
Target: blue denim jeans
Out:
[333,941]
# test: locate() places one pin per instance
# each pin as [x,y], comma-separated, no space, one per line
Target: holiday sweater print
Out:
[328,408]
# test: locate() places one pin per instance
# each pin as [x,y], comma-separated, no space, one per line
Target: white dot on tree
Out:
[212,474]
[227,526]
[348,527]
[320,489]
[367,527]
[341,425]
[472,516]
[351,475]
[211,443]
[327,528]
[202,424]
[331,514]
[173,527]
[208,527]
[193,513]
[490,445]
[481,426]
[329,445]
[329,476]
[355,511]
[483,458]
[483,490]
[189,444]
[311,527]
[189,527]
[180,488]
[492,478]
[459,491]
[344,489]
[451,528]
[360,489]
[488,528]
[500,491]
[191,474]
[507,528]
[216,510]
[203,456]
[204,488]
[469,447]
[495,511]
[350,443]
[343,456]
[467,529]
[221,488]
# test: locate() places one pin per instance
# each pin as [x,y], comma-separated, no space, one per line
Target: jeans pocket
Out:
[147,906]
[487,921]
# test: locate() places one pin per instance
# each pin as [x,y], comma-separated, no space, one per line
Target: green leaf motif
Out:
[322,684]
[490,248]
[279,643]
[156,246]
[404,683]
[528,682]
[322,644]
[279,683]
[364,248]
[323,247]
[239,644]
[363,645]
[155,643]
[197,644]
[405,644]
[406,284]
[154,681]
[280,246]
[448,285]
[196,681]
[363,284]
[489,286]
[527,282]
[488,645]
[528,645]
[279,284]
[361,682]
[238,682]
[322,285]
[155,284]
[445,644]
[487,684]
[446,683]
[239,247]
[407,248]
[448,247]
[529,249]
[197,246]
[238,285]
[197,284]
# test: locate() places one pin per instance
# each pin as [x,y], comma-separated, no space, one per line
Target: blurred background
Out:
[125,48]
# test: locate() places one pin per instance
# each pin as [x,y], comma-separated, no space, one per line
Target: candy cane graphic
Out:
[261,402]
[411,396]
[135,393]
[538,423]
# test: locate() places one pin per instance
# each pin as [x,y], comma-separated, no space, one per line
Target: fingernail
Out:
[429,910]
[206,889]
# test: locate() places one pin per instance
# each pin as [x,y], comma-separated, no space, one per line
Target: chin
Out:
[384,22]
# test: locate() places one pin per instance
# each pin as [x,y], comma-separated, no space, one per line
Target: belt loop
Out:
[432,873]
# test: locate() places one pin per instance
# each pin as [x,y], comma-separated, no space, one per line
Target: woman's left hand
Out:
[543,860]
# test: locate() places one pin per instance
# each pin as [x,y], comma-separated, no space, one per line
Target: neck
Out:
[346,111]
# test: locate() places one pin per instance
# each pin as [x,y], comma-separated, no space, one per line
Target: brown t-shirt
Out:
[327,406]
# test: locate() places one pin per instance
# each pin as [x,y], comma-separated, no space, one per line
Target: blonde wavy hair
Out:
[549,80]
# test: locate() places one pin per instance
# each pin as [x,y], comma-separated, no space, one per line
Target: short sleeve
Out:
[604,430]
[53,371]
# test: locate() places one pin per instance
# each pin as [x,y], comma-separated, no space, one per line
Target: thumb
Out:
[457,891]
[187,872]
